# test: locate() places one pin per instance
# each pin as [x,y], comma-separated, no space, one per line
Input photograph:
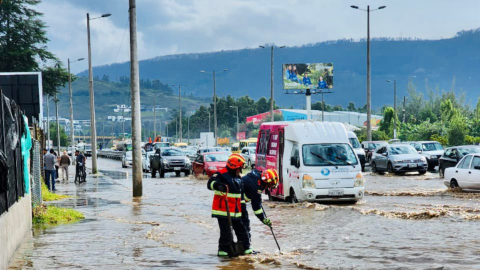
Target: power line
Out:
[120,47]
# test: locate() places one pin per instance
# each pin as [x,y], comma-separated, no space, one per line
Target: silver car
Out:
[398,158]
[248,154]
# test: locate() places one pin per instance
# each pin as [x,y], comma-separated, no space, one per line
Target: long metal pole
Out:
[180,109]
[135,93]
[209,121]
[58,126]
[48,121]
[154,119]
[93,129]
[72,131]
[369,106]
[271,86]
[394,109]
[308,96]
[238,130]
[215,109]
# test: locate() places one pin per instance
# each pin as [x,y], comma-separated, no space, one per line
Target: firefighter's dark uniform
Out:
[252,192]
[219,209]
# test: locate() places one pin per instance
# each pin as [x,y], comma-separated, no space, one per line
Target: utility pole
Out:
[272,118]
[135,93]
[208,120]
[236,107]
[72,131]
[58,126]
[215,110]
[369,105]
[180,110]
[48,121]
[154,119]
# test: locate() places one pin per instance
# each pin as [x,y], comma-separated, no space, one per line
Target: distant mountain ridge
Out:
[440,62]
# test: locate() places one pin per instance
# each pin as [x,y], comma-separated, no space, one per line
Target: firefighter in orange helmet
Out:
[228,186]
[254,184]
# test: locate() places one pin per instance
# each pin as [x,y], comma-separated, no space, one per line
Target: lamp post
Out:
[236,107]
[180,109]
[93,131]
[56,100]
[214,104]
[369,106]
[394,108]
[72,133]
[271,78]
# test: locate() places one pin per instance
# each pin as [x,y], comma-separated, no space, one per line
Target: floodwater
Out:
[404,222]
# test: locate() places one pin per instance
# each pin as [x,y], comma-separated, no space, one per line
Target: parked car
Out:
[357,148]
[208,163]
[465,174]
[453,155]
[170,159]
[190,153]
[398,158]
[127,159]
[248,154]
[369,147]
[431,150]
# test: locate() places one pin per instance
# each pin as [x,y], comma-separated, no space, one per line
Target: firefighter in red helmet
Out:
[227,185]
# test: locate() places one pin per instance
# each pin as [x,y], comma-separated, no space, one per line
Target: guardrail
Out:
[110,154]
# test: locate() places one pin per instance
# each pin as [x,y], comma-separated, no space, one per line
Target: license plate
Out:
[412,165]
[177,168]
[335,192]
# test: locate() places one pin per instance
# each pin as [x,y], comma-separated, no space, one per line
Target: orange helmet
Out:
[270,177]
[235,161]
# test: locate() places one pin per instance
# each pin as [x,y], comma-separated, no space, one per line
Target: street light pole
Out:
[48,121]
[58,126]
[93,129]
[214,105]
[154,119]
[72,131]
[180,135]
[271,80]
[236,107]
[369,106]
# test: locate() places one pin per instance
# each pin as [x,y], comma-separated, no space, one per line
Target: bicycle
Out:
[80,174]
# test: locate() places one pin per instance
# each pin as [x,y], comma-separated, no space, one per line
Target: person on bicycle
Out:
[80,162]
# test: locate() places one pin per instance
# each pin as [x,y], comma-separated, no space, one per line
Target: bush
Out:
[457,132]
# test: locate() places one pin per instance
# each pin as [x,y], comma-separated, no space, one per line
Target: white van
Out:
[357,147]
[315,161]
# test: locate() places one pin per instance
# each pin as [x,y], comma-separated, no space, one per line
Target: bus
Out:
[250,142]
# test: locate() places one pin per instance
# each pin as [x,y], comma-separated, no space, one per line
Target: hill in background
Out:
[440,62]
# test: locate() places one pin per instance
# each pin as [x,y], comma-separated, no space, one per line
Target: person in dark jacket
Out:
[254,183]
[228,189]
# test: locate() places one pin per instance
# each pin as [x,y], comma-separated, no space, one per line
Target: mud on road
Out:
[409,222]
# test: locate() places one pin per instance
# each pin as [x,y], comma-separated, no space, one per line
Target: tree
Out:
[351,107]
[54,78]
[53,133]
[22,36]
[457,131]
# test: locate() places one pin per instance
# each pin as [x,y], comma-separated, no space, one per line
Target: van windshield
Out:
[338,154]
[354,142]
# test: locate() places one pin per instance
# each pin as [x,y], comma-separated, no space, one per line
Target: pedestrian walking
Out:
[57,166]
[64,163]
[228,189]
[49,160]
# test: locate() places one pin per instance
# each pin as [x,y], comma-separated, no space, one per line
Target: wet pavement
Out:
[404,222]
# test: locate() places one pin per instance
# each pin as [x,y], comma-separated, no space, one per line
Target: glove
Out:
[267,222]
[221,187]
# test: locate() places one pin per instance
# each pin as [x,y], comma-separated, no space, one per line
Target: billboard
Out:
[307,76]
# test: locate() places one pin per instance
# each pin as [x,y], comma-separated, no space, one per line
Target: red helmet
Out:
[270,177]
[235,161]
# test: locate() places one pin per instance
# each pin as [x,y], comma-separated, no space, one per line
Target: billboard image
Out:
[308,76]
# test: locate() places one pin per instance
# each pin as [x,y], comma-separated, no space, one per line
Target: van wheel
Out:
[292,198]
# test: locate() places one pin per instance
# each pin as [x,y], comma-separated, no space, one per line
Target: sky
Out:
[168,27]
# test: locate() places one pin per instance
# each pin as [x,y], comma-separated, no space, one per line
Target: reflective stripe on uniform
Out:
[224,213]
[259,211]
[242,201]
[211,185]
[229,195]
[246,198]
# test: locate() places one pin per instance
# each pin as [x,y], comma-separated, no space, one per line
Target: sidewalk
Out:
[168,227]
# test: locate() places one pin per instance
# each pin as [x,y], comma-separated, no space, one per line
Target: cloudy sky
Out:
[188,26]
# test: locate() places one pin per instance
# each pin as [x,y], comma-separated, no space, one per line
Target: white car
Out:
[465,174]
[248,154]
[127,159]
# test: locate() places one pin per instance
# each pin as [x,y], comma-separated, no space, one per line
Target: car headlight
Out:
[212,168]
[359,180]
[423,159]
[308,181]
[165,160]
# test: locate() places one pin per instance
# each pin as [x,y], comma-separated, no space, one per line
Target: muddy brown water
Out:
[171,227]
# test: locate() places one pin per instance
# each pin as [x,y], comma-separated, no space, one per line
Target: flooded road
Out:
[404,222]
